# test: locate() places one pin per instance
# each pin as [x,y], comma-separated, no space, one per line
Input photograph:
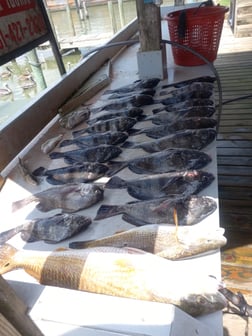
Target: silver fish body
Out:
[175,184]
[68,197]
[190,210]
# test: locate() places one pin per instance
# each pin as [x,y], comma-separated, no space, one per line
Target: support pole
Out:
[151,56]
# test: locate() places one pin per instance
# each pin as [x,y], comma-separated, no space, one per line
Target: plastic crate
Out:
[201,29]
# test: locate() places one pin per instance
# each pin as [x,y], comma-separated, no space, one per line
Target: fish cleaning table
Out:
[58,311]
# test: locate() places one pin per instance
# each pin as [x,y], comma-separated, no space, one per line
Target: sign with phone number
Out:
[21,22]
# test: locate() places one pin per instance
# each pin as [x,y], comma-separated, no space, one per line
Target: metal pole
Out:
[121,13]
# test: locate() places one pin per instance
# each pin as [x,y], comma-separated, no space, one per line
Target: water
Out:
[97,23]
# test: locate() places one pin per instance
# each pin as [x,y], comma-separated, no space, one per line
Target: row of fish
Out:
[173,177]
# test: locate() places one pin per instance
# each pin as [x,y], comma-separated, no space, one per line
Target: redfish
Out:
[128,273]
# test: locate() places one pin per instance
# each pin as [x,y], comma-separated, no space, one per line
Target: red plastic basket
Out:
[203,27]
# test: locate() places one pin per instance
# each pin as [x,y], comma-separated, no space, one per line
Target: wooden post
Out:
[151,56]
[149,22]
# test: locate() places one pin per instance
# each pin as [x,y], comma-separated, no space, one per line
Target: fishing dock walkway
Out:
[234,159]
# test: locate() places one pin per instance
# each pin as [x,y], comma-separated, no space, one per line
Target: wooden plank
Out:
[148,16]
[7,328]
[15,311]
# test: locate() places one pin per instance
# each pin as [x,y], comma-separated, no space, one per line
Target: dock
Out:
[234,164]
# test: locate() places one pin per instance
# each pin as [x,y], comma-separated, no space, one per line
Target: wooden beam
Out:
[15,311]
[149,23]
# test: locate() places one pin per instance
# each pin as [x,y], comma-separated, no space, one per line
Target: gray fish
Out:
[163,240]
[69,197]
[51,229]
[126,102]
[119,124]
[176,184]
[206,79]
[75,117]
[77,173]
[51,143]
[184,105]
[191,90]
[107,138]
[181,124]
[191,139]
[165,117]
[190,210]
[102,153]
[172,159]
[134,112]
[139,84]
[150,92]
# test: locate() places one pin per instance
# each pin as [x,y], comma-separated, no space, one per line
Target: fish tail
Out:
[128,144]
[21,203]
[116,183]
[6,253]
[56,155]
[66,142]
[6,235]
[115,167]
[106,211]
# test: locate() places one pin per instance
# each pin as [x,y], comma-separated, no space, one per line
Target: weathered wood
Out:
[15,311]
[149,23]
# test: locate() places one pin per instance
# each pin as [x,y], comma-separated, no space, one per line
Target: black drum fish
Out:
[68,197]
[102,153]
[190,210]
[184,105]
[175,184]
[149,83]
[190,138]
[51,230]
[172,159]
[181,124]
[77,173]
[106,138]
[204,79]
[165,117]
[121,124]
[134,112]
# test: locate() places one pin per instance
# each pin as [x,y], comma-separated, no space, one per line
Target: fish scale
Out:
[127,272]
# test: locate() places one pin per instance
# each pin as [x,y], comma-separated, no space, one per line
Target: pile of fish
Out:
[165,206]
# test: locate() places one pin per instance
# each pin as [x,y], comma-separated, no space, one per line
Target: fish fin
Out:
[23,202]
[115,167]
[133,250]
[53,181]
[39,171]
[56,155]
[116,182]
[67,142]
[128,144]
[79,244]
[6,235]
[134,131]
[106,211]
[59,249]
[134,221]
[160,109]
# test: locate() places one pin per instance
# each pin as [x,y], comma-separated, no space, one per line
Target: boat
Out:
[60,311]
